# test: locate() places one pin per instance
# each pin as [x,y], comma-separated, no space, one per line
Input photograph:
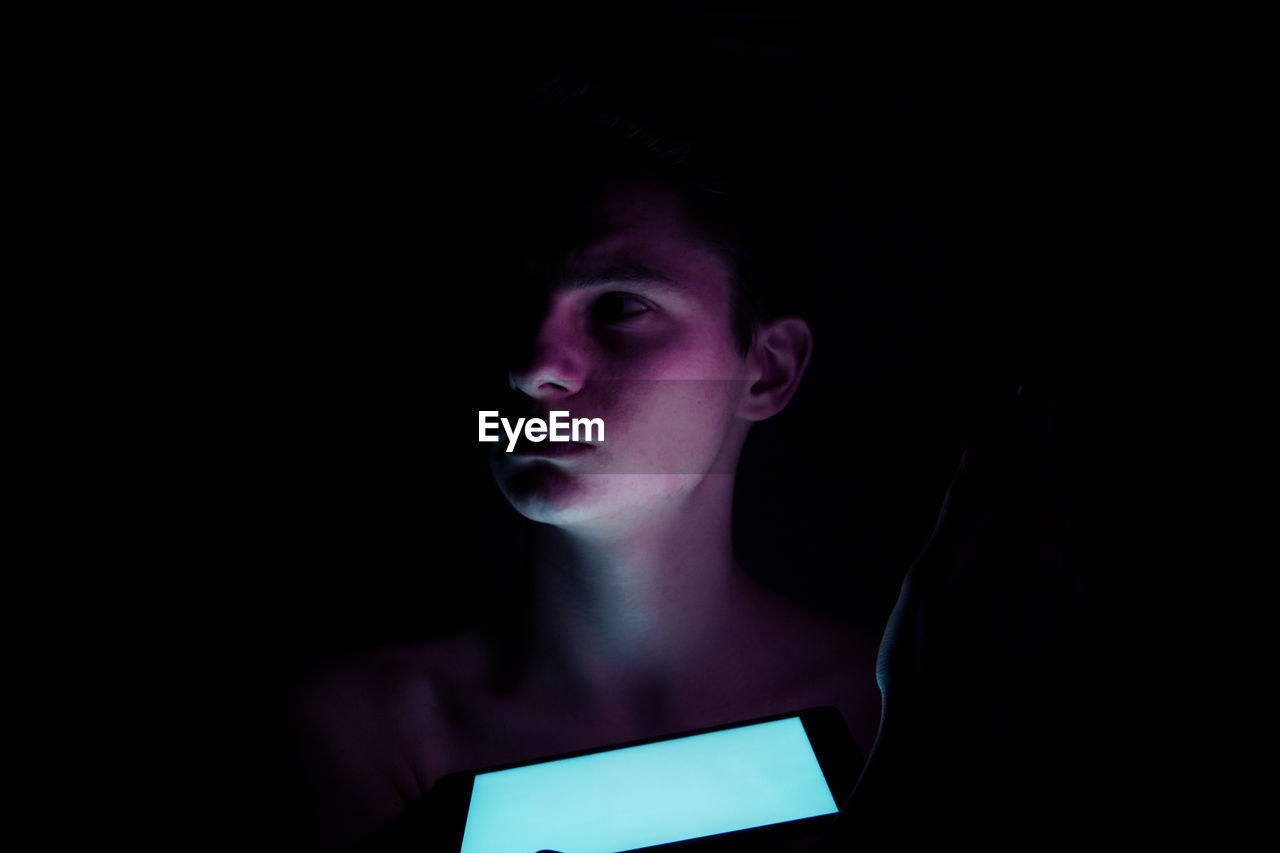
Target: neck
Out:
[627,610]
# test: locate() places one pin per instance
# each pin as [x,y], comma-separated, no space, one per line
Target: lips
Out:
[548,449]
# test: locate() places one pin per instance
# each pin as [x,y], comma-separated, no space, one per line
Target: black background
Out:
[335,313]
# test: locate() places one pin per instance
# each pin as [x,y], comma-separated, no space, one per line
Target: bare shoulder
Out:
[830,662]
[366,727]
[389,692]
[819,640]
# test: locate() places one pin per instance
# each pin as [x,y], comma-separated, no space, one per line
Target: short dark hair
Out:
[577,132]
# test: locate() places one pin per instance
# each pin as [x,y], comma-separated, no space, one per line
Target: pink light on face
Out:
[636,332]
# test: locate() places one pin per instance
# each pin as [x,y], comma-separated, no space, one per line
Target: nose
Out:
[556,367]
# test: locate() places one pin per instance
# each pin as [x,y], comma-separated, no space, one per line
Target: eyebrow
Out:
[628,273]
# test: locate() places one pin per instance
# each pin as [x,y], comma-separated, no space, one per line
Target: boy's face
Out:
[635,331]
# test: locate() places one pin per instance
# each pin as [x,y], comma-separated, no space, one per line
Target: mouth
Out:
[547,449]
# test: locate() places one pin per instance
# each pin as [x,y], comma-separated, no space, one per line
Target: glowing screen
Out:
[651,794]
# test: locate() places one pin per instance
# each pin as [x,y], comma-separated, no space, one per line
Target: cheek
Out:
[697,348]
[714,359]
[678,427]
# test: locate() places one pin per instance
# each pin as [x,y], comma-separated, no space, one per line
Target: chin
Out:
[545,493]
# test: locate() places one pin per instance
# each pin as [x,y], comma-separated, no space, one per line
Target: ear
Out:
[775,363]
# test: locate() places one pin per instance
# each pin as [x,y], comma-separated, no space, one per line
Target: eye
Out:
[618,308]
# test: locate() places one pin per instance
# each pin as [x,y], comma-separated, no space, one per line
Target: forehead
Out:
[636,225]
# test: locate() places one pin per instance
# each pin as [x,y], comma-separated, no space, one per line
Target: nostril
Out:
[541,386]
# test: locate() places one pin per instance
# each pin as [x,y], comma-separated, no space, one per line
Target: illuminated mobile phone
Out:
[782,775]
